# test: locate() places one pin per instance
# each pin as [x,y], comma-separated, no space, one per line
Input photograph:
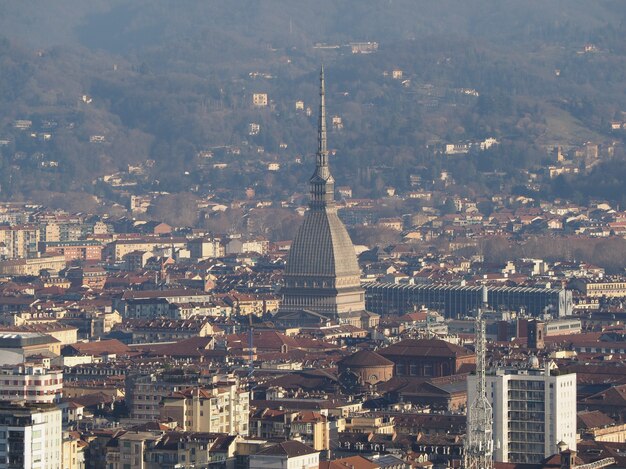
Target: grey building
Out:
[322,274]
[456,301]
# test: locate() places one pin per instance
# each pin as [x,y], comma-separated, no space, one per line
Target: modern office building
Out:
[30,436]
[534,409]
[457,301]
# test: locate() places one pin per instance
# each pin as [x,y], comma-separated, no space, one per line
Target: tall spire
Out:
[322,182]
[322,150]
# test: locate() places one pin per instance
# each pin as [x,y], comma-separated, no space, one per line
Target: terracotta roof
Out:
[308,416]
[291,449]
[95,399]
[352,462]
[614,396]
[192,347]
[99,347]
[594,419]
[365,358]
[425,348]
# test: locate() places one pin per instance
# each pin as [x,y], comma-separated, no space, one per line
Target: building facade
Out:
[31,383]
[222,408]
[533,410]
[456,301]
[428,358]
[30,436]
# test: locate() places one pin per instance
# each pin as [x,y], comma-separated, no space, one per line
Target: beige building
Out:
[259,99]
[73,452]
[16,347]
[50,232]
[370,424]
[130,451]
[313,429]
[205,248]
[221,408]
[65,334]
[20,241]
[601,289]
[33,266]
[121,247]
[31,383]
[32,434]
[286,455]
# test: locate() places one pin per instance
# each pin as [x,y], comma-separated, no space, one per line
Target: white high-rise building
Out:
[31,436]
[533,410]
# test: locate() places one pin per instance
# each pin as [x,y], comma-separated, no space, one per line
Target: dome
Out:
[364,358]
[322,248]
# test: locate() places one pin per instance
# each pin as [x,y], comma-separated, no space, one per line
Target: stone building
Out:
[428,358]
[322,274]
[366,368]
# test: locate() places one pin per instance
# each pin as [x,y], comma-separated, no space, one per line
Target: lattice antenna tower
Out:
[479,438]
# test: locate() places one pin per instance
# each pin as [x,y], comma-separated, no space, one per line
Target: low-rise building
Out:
[32,266]
[286,455]
[86,250]
[31,382]
[593,289]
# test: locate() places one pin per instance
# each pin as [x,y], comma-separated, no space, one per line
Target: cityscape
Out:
[265,235]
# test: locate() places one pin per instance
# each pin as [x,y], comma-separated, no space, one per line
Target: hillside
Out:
[166,82]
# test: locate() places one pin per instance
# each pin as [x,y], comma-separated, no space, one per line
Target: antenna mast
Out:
[479,439]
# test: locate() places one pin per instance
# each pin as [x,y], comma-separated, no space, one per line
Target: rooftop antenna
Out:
[479,440]
[250,344]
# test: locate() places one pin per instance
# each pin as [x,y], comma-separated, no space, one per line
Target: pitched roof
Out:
[425,348]
[291,449]
[352,462]
[614,396]
[99,347]
[594,419]
[365,358]
[192,347]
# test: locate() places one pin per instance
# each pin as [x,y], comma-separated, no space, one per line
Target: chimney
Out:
[568,458]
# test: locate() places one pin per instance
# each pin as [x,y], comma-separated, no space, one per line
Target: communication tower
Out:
[479,439]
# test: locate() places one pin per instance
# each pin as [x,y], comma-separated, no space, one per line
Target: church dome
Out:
[364,358]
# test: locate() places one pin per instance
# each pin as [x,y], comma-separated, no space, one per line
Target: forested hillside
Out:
[168,80]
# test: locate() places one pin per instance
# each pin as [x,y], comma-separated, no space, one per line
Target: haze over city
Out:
[288,234]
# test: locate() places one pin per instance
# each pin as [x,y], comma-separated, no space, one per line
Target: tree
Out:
[175,209]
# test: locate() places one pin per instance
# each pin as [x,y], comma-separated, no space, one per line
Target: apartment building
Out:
[533,410]
[31,382]
[32,266]
[89,250]
[220,408]
[20,241]
[30,436]
[144,392]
